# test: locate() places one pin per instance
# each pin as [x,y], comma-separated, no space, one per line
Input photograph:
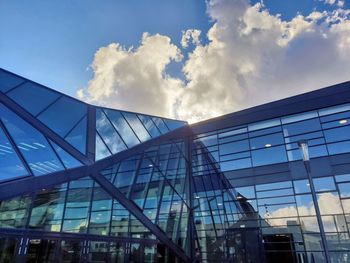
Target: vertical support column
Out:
[91,133]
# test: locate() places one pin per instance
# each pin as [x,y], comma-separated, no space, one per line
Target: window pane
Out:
[122,127]
[10,165]
[339,147]
[344,189]
[174,124]
[77,137]
[301,127]
[299,117]
[32,144]
[263,124]
[235,164]
[160,124]
[8,80]
[324,184]
[335,109]
[101,150]
[63,115]
[301,186]
[14,212]
[68,160]
[108,133]
[234,147]
[337,134]
[149,125]
[266,141]
[269,156]
[33,97]
[137,126]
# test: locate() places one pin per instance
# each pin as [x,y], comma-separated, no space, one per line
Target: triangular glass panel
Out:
[10,164]
[77,137]
[68,160]
[32,144]
[149,125]
[9,80]
[174,124]
[33,97]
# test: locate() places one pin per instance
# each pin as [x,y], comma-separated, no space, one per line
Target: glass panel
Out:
[8,80]
[47,211]
[173,124]
[148,123]
[77,137]
[41,250]
[301,127]
[63,115]
[160,124]
[344,190]
[8,247]
[10,165]
[266,141]
[339,147]
[137,126]
[324,184]
[269,156]
[108,133]
[33,97]
[305,205]
[235,164]
[32,144]
[122,127]
[337,134]
[70,251]
[101,149]
[68,160]
[263,124]
[77,206]
[14,212]
[98,252]
[335,109]
[329,203]
[234,147]
[299,117]
[301,186]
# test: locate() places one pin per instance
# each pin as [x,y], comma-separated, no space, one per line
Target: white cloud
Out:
[252,57]
[189,34]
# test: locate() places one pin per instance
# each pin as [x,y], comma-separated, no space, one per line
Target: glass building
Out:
[81,183]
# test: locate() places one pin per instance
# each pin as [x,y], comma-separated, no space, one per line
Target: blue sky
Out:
[53,42]
[243,64]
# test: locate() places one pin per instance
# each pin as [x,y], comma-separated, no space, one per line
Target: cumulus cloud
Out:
[189,34]
[251,57]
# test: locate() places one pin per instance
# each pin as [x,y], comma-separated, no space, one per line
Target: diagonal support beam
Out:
[43,129]
[137,212]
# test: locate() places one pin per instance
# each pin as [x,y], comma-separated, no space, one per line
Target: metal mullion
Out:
[48,106]
[15,87]
[110,122]
[14,147]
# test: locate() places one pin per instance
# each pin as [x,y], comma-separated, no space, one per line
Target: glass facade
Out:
[80,183]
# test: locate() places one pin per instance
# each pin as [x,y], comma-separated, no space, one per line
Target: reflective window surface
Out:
[38,153]
[10,164]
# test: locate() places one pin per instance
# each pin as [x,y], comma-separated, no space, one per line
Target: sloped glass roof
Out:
[119,130]
[10,164]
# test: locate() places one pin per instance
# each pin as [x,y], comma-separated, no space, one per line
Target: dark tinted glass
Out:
[337,134]
[8,81]
[301,127]
[266,141]
[33,97]
[32,144]
[63,115]
[10,165]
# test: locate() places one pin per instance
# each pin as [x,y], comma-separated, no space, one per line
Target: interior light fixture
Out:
[343,121]
[267,145]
